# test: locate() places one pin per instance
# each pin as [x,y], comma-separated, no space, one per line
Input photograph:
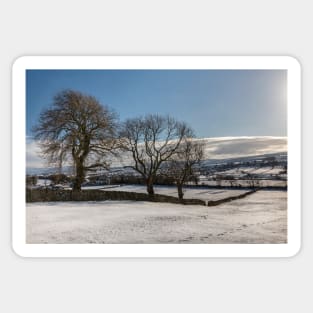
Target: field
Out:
[258,218]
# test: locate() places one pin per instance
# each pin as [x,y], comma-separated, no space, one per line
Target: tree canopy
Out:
[182,165]
[77,128]
[152,140]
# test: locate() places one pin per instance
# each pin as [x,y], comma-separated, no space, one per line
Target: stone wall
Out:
[217,202]
[46,195]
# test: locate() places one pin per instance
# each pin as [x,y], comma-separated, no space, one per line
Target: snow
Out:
[258,218]
[253,170]
[43,182]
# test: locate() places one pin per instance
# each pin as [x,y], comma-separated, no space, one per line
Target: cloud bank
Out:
[233,147]
[33,158]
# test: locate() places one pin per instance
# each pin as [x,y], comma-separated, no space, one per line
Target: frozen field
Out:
[258,218]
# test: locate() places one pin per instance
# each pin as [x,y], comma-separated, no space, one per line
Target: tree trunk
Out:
[80,177]
[150,189]
[180,191]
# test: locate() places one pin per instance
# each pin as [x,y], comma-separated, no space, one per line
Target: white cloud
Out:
[233,147]
[33,158]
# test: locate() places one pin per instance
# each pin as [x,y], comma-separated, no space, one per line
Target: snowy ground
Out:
[254,170]
[258,218]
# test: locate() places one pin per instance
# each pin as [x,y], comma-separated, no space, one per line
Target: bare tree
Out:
[181,166]
[252,180]
[77,128]
[232,180]
[152,140]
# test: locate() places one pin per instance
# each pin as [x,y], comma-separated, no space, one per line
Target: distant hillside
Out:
[217,150]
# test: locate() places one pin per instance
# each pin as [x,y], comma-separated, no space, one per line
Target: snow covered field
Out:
[258,218]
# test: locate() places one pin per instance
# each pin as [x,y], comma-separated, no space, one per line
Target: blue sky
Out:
[215,103]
